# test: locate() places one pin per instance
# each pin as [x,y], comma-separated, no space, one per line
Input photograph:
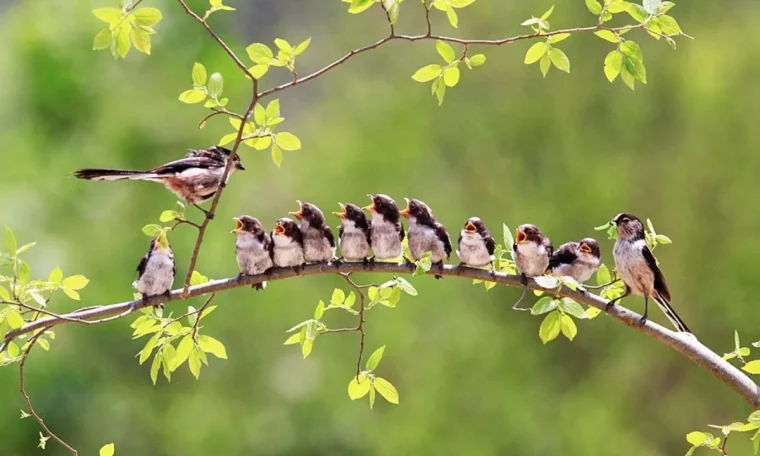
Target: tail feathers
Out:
[671,314]
[114,174]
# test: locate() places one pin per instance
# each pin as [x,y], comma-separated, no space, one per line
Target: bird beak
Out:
[470,227]
[238,225]
[279,229]
[585,248]
[371,207]
[405,212]
[240,166]
[520,236]
[341,214]
[161,244]
[299,213]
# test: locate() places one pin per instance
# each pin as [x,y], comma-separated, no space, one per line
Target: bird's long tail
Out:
[115,174]
[671,314]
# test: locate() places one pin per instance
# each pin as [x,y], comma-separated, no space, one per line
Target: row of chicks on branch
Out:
[198,177]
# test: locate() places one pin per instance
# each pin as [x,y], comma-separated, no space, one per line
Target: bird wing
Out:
[490,243]
[178,166]
[548,244]
[401,233]
[443,236]
[328,234]
[564,255]
[143,264]
[659,280]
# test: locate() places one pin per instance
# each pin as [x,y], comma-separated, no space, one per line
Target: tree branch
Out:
[683,343]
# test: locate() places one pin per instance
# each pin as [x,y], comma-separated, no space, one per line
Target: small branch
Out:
[199,312]
[360,326]
[723,446]
[22,389]
[427,18]
[685,344]
[217,112]
[185,222]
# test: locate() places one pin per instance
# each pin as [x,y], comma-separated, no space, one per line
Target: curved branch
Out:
[683,343]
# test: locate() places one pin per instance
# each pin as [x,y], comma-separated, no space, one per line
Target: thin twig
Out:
[217,112]
[44,312]
[360,326]
[199,312]
[22,389]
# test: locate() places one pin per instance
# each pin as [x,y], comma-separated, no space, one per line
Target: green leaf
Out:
[451,76]
[756,442]
[616,7]
[548,13]
[71,294]
[273,109]
[357,6]
[182,353]
[406,286]
[608,36]
[594,6]
[287,141]
[568,327]
[559,59]
[440,91]
[226,139]
[14,319]
[283,46]
[358,387]
[196,278]
[210,345]
[148,16]
[753,367]
[259,53]
[696,438]
[192,96]
[637,12]
[4,294]
[13,350]
[612,65]
[152,230]
[386,389]
[10,241]
[75,282]
[293,339]
[257,71]
[550,327]
[154,367]
[302,46]
[477,60]
[603,276]
[535,52]
[627,78]
[427,73]
[123,39]
[107,450]
[375,358]
[102,40]
[276,155]
[194,362]
[508,239]
[320,310]
[215,85]
[338,296]
[445,51]
[544,305]
[306,347]
[350,300]
[259,114]
[559,37]
[110,15]
[168,216]
[573,308]
[451,15]
[547,282]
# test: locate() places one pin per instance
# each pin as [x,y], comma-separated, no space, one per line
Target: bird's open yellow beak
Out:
[585,248]
[238,225]
[520,236]
[279,229]
[342,213]
[470,227]
[371,207]
[299,213]
[405,212]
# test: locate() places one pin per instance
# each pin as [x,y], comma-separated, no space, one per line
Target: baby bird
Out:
[476,245]
[386,231]
[287,249]
[156,271]
[531,252]
[318,239]
[253,248]
[426,234]
[579,260]
[353,233]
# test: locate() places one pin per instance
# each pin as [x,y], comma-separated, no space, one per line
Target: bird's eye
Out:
[625,220]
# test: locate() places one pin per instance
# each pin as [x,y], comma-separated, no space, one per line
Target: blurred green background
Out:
[565,153]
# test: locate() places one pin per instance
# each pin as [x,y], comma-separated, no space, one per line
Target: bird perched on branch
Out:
[426,234]
[638,269]
[318,238]
[386,230]
[195,178]
[253,248]
[353,233]
[579,260]
[531,252]
[287,250]
[156,271]
[476,245]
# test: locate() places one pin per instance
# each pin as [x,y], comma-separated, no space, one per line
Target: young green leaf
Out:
[544,305]
[102,40]
[338,296]
[608,36]
[612,65]
[276,155]
[10,241]
[147,17]
[535,52]
[375,358]
[210,345]
[559,37]
[427,73]
[594,7]
[287,141]
[568,327]
[215,85]
[302,46]
[110,15]
[445,51]
[107,450]
[358,387]
[550,327]
[386,389]
[260,53]
[192,96]
[477,60]
[75,282]
[559,59]
[451,76]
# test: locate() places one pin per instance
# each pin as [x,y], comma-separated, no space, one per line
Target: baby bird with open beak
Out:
[318,239]
[579,260]
[253,248]
[476,245]
[531,252]
[353,233]
[287,249]
[156,271]
[426,234]
[386,231]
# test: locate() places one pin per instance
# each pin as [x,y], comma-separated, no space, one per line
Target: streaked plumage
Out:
[318,239]
[386,230]
[579,260]
[253,248]
[531,251]
[475,245]
[353,233]
[156,270]
[426,234]
[287,250]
